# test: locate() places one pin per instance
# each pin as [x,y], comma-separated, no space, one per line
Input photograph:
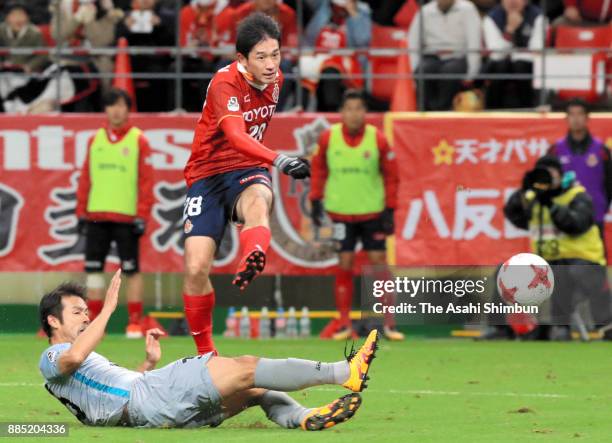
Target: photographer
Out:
[558,212]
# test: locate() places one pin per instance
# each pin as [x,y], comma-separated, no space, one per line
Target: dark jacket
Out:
[574,219]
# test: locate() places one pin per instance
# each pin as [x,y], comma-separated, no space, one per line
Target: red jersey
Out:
[231,95]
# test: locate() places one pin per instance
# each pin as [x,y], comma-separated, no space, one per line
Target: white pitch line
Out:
[460,393]
[487,394]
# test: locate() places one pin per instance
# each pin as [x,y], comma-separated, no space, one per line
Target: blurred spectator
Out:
[198,29]
[588,157]
[337,24]
[143,26]
[514,24]
[283,14]
[38,10]
[484,6]
[451,45]
[16,31]
[585,13]
[17,89]
[87,23]
[384,12]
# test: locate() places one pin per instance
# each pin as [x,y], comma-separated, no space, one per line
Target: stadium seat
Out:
[385,37]
[573,37]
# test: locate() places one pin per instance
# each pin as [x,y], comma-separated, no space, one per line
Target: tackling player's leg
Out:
[286,412]
[245,381]
[233,375]
[253,207]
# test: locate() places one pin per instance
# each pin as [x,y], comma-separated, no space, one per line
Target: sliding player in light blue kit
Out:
[191,392]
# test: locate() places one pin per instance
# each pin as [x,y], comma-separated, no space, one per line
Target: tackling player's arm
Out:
[152,350]
[85,343]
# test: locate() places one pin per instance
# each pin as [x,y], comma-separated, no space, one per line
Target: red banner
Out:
[457,172]
[40,158]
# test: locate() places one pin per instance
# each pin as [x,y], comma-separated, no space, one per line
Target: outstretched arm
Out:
[152,350]
[87,341]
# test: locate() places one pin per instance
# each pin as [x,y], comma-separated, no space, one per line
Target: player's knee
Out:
[247,365]
[196,268]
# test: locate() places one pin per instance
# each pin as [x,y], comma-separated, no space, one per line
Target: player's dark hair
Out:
[353,94]
[577,102]
[113,95]
[253,29]
[51,303]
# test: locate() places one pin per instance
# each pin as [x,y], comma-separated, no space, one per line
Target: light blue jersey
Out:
[95,393]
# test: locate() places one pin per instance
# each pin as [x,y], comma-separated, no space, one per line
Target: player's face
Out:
[75,318]
[117,113]
[577,118]
[353,114]
[263,61]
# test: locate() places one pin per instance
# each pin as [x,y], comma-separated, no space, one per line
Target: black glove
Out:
[297,168]
[139,226]
[82,227]
[317,212]
[388,221]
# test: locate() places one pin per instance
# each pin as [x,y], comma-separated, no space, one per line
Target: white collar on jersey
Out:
[243,70]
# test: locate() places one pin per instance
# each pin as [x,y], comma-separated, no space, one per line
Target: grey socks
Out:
[293,374]
[283,410]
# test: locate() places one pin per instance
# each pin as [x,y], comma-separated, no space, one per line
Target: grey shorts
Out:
[179,395]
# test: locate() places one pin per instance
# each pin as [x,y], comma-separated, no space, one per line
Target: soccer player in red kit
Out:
[227,175]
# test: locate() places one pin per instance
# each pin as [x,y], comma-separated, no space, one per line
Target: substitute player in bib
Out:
[114,200]
[227,172]
[191,392]
[354,179]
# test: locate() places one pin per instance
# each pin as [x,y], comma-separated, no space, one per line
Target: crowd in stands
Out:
[458,45]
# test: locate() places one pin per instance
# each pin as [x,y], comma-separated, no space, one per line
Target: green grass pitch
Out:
[420,391]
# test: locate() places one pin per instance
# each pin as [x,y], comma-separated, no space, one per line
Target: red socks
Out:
[389,300]
[94,307]
[343,292]
[134,312]
[198,312]
[257,238]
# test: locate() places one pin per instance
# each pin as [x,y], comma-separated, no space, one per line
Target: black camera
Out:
[538,179]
